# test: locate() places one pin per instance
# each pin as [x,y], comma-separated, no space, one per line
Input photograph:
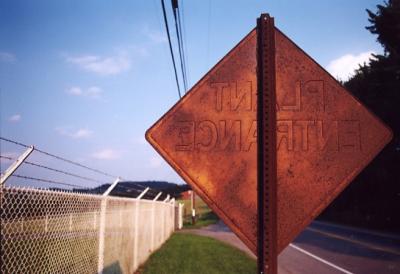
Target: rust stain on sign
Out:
[325,137]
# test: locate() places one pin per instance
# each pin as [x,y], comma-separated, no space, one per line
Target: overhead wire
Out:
[183,35]
[170,47]
[178,29]
[208,32]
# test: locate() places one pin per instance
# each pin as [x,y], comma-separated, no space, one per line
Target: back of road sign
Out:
[325,137]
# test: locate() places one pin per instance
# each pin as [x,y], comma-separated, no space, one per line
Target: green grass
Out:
[204,219]
[204,215]
[186,254]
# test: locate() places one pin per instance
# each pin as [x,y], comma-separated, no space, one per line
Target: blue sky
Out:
[85,79]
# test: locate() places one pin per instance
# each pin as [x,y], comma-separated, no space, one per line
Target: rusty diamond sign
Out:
[324,138]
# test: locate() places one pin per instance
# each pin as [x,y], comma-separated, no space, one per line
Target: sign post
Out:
[266,140]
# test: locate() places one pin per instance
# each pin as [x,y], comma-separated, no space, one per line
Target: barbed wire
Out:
[151,192]
[57,170]
[139,187]
[6,157]
[14,142]
[69,173]
[59,158]
[45,180]
[65,172]
[142,186]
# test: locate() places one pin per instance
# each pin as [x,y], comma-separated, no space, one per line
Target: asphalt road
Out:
[327,248]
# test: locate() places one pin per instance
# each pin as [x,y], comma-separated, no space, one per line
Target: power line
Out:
[208,31]
[170,48]
[183,42]
[178,30]
[183,35]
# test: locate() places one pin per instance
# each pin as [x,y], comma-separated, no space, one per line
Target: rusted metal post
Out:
[266,137]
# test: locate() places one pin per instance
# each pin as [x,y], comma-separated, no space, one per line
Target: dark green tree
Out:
[386,24]
[373,199]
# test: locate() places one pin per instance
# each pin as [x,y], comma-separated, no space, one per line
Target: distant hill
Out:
[132,189]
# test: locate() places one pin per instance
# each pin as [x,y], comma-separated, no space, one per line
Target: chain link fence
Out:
[46,231]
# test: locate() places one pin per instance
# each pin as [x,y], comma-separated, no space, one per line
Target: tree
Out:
[373,199]
[386,24]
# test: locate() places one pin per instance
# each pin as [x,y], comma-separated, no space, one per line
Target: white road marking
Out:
[320,259]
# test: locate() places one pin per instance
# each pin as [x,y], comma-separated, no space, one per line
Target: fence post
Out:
[164,226]
[172,225]
[120,218]
[136,226]
[153,213]
[180,225]
[13,167]
[102,224]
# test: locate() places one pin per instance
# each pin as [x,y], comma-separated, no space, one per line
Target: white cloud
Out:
[93,92]
[154,36]
[156,161]
[343,67]
[15,118]
[157,37]
[7,57]
[102,65]
[106,154]
[141,51]
[77,91]
[82,133]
